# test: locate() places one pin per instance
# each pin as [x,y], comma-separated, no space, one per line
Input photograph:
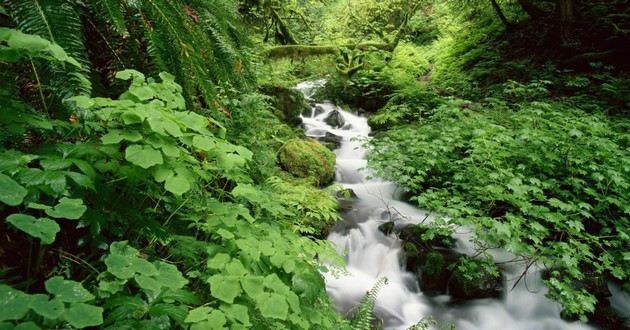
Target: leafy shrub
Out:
[544,180]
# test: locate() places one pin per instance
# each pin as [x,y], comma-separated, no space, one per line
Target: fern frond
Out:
[113,12]
[364,313]
[60,22]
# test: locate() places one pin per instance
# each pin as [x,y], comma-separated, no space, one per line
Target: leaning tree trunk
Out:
[565,9]
[499,12]
[531,9]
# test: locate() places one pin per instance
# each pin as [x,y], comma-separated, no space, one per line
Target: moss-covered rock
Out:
[308,159]
[289,103]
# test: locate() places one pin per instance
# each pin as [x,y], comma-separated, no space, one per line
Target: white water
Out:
[370,255]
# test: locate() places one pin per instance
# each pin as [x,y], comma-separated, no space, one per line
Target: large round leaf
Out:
[82,315]
[143,156]
[42,228]
[11,192]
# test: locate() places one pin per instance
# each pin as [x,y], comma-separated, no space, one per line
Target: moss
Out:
[308,159]
[289,103]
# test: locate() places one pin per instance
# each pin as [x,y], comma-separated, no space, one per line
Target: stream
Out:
[371,255]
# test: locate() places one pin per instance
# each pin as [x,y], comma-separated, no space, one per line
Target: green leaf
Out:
[143,93]
[273,305]
[42,228]
[177,185]
[218,261]
[67,291]
[169,276]
[13,303]
[253,285]
[67,208]
[161,173]
[115,136]
[237,313]
[82,180]
[143,156]
[217,319]
[27,326]
[129,74]
[204,143]
[198,314]
[224,288]
[49,309]
[148,283]
[81,315]
[11,192]
[225,234]
[120,266]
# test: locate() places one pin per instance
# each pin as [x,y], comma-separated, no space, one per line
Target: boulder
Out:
[440,270]
[308,159]
[387,228]
[307,112]
[330,140]
[318,110]
[335,119]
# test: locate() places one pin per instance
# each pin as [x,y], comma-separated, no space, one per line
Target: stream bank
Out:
[371,254]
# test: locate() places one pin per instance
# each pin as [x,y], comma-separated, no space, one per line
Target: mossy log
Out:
[301,51]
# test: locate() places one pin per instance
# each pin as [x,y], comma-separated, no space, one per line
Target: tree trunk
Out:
[499,12]
[565,9]
[531,9]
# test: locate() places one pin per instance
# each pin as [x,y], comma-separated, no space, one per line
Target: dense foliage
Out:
[151,175]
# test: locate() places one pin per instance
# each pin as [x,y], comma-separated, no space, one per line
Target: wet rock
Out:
[475,279]
[307,112]
[387,228]
[607,318]
[346,199]
[335,119]
[440,270]
[345,193]
[330,140]
[318,110]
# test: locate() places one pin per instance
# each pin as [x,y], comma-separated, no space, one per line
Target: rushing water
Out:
[371,255]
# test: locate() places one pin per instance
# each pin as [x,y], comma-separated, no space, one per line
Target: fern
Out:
[58,21]
[113,12]
[364,314]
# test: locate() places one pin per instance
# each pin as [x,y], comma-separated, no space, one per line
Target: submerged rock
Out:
[308,159]
[335,119]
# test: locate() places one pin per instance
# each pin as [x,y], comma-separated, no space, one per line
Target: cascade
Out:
[370,254]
